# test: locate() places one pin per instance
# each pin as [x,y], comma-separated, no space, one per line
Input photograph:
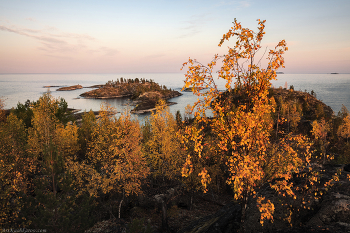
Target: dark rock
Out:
[226,219]
[146,202]
[183,205]
[109,226]
[335,209]
[347,168]
[330,213]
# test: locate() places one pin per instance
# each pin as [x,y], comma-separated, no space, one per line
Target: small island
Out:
[191,89]
[145,93]
[70,88]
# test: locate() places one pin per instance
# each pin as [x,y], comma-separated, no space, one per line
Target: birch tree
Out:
[242,120]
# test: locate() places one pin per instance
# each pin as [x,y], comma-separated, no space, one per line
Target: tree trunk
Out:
[191,200]
[244,206]
[278,117]
[52,162]
[165,226]
[120,205]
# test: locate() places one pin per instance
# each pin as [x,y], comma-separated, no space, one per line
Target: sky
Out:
[112,36]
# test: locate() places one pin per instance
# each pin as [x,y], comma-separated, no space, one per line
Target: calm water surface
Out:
[332,89]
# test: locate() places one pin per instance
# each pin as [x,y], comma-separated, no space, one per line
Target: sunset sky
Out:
[112,36]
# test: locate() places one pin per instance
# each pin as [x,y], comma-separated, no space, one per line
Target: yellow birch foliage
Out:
[115,155]
[86,127]
[194,173]
[289,113]
[320,130]
[50,142]
[266,209]
[15,167]
[162,145]
[242,120]
[2,111]
[48,134]
[344,128]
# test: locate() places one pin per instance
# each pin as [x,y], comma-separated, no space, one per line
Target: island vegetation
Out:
[145,93]
[267,160]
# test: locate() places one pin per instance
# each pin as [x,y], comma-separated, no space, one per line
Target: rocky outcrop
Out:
[331,211]
[147,106]
[309,101]
[147,101]
[109,226]
[226,219]
[172,94]
[330,214]
[334,209]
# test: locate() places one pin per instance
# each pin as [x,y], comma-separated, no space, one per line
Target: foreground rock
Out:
[225,220]
[109,226]
[331,211]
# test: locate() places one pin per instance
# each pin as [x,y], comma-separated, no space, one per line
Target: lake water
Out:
[332,89]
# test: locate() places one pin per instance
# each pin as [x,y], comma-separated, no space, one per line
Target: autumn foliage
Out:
[243,123]
[161,143]
[114,153]
[65,175]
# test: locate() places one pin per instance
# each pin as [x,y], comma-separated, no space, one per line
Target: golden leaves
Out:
[266,209]
[162,143]
[320,130]
[187,168]
[205,178]
[242,121]
[115,155]
[344,128]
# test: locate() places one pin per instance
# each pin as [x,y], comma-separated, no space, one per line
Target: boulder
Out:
[334,209]
[109,226]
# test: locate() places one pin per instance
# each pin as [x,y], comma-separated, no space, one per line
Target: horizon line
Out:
[152,73]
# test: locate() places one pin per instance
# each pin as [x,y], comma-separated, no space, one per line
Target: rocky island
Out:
[145,93]
[70,88]
[191,89]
